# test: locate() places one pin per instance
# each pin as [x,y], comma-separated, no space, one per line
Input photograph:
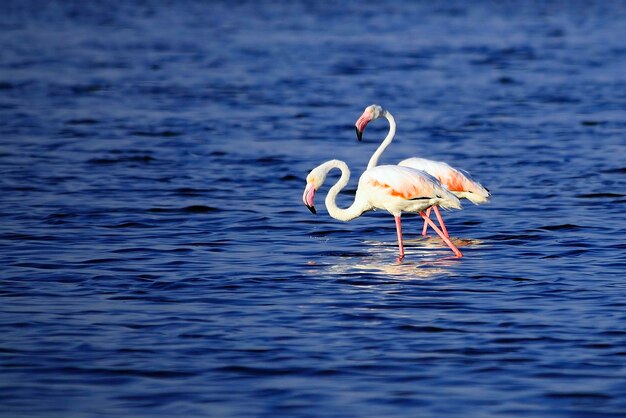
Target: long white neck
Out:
[358,206]
[392,132]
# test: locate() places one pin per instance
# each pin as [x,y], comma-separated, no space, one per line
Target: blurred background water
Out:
[157,259]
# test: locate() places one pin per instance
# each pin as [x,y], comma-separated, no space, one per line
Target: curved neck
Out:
[392,132]
[357,207]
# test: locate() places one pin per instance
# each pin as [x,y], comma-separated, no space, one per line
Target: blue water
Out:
[157,259]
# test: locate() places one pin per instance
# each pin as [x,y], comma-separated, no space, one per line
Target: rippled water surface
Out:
[157,258]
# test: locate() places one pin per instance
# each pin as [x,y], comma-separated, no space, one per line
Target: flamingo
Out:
[393,188]
[459,182]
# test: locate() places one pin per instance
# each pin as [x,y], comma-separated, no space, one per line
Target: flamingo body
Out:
[403,189]
[455,180]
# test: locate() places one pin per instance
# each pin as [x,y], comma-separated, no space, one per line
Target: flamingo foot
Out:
[425,227]
[445,239]
[399,232]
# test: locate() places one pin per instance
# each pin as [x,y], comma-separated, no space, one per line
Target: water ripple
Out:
[157,259]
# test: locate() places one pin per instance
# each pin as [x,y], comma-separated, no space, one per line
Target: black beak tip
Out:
[359,134]
[312,209]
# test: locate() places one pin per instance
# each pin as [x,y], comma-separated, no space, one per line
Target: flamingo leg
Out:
[440,219]
[399,231]
[425,228]
[443,237]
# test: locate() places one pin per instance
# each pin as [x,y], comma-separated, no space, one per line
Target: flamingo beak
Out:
[307,197]
[360,124]
[359,134]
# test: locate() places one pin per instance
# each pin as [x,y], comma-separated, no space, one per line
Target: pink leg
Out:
[425,228]
[399,231]
[443,237]
[440,219]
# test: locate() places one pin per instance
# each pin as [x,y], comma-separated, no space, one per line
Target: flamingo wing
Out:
[458,181]
[403,182]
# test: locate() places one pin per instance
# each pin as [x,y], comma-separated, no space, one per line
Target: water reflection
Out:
[425,258]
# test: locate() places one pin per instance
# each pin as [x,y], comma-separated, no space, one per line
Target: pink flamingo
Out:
[393,188]
[457,181]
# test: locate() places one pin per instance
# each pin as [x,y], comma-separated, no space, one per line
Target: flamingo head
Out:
[370,113]
[314,180]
